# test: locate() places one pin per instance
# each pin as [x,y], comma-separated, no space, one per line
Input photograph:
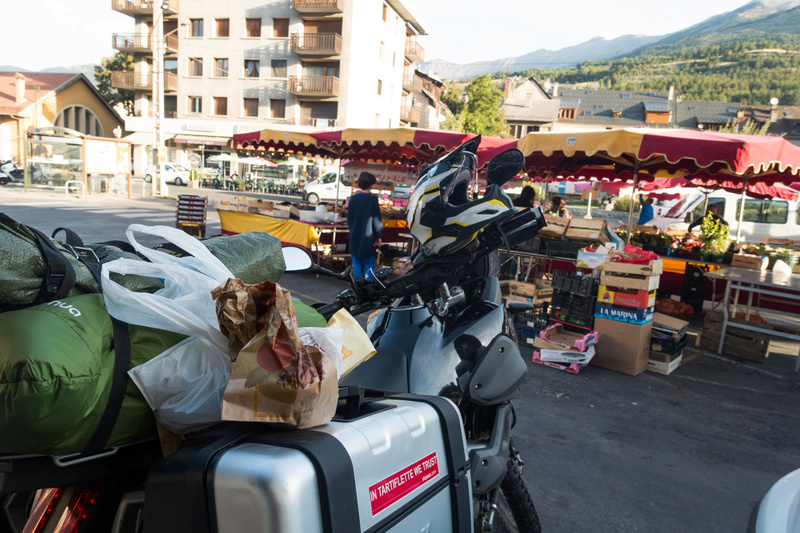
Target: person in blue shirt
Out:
[366,227]
[646,214]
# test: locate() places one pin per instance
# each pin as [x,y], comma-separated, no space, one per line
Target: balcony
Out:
[410,114]
[133,43]
[414,51]
[143,7]
[412,83]
[318,7]
[136,81]
[321,86]
[317,44]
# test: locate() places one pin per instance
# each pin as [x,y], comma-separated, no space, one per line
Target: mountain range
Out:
[762,18]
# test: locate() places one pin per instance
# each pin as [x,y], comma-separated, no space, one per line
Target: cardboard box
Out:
[667,327]
[647,283]
[653,268]
[622,347]
[591,260]
[555,229]
[557,335]
[638,299]
[748,261]
[624,314]
[553,353]
[662,363]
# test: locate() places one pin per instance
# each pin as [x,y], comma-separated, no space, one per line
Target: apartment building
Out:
[244,65]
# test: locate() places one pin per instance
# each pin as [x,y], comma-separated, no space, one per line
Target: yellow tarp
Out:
[289,231]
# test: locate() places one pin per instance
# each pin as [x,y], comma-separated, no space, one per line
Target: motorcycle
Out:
[9,172]
[440,329]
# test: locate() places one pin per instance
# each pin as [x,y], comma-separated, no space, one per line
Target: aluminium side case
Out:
[387,462]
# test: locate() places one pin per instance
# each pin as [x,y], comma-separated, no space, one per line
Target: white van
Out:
[323,189]
[172,172]
[762,218]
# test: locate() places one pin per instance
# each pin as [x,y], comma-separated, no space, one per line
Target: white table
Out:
[783,287]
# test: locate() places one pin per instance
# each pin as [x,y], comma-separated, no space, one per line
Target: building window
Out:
[221,67]
[385,11]
[223,27]
[253,27]
[251,68]
[80,118]
[277,108]
[197,27]
[380,86]
[278,68]
[195,104]
[566,114]
[195,66]
[220,106]
[380,51]
[280,27]
[251,107]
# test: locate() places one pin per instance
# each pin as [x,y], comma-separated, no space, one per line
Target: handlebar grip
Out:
[328,310]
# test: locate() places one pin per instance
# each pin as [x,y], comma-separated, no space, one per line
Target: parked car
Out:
[173,173]
[403,192]
[323,189]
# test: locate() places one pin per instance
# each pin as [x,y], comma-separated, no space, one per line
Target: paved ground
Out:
[604,452]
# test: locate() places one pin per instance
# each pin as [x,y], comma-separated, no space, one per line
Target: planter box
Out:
[638,299]
[663,364]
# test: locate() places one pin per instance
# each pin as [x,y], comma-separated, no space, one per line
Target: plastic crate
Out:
[567,250]
[570,282]
[572,304]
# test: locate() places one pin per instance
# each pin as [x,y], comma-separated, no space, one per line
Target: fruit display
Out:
[674,307]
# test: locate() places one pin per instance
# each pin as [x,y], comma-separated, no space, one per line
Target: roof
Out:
[408,16]
[527,101]
[46,82]
[656,107]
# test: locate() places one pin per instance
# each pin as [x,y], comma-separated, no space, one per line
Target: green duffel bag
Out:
[56,363]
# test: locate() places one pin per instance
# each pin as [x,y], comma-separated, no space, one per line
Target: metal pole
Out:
[338,179]
[741,211]
[633,193]
[158,94]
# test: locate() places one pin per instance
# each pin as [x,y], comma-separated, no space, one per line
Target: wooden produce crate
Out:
[653,268]
[629,282]
[539,288]
[588,231]
[661,363]
[749,261]
[649,230]
[555,229]
[741,343]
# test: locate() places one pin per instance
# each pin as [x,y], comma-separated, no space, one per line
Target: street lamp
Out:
[158,92]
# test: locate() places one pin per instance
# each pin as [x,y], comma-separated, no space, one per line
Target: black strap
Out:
[122,351]
[59,277]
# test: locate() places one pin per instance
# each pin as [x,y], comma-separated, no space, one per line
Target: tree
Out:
[481,113]
[451,97]
[102,74]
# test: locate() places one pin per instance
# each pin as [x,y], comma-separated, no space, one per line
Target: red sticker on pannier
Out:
[389,490]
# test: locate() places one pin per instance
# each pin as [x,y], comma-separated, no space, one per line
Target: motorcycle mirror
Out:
[296,259]
[505,166]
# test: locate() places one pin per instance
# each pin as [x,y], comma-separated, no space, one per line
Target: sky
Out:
[39,34]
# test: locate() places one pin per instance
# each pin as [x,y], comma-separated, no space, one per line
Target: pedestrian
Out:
[366,226]
[526,197]
[558,207]
[713,210]
[646,214]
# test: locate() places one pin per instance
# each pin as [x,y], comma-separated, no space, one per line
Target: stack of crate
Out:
[741,343]
[624,315]
[694,286]
[667,341]
[573,300]
[530,323]
[190,215]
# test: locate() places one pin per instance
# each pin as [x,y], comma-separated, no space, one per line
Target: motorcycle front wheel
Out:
[515,512]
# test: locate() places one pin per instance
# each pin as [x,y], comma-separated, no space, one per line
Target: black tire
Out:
[178,181]
[312,199]
[4,180]
[515,509]
[148,178]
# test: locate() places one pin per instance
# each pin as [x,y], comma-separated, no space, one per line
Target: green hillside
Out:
[704,67]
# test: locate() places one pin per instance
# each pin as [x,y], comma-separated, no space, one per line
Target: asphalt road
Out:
[604,452]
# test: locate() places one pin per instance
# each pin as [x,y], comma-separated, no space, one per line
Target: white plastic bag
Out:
[329,341]
[184,384]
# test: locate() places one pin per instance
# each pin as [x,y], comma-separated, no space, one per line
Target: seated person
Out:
[558,207]
[526,197]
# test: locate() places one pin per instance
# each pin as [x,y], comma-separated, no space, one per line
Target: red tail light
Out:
[70,518]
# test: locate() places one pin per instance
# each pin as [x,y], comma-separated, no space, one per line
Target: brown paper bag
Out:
[275,378]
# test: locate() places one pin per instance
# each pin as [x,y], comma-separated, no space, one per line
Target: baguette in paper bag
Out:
[275,378]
